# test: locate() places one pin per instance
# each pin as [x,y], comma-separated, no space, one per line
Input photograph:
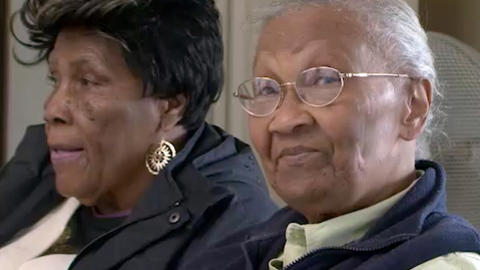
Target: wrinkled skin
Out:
[359,150]
[99,125]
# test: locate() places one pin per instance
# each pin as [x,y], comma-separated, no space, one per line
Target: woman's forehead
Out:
[301,25]
[83,45]
[321,34]
[309,28]
[313,53]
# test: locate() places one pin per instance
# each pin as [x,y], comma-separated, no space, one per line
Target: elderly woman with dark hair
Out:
[341,94]
[148,182]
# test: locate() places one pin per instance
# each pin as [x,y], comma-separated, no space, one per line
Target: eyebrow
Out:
[274,72]
[86,61]
[83,60]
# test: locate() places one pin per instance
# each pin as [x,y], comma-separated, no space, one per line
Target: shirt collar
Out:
[335,232]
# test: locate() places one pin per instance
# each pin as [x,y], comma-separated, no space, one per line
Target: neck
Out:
[177,136]
[126,195]
[385,179]
[396,176]
[370,199]
[98,214]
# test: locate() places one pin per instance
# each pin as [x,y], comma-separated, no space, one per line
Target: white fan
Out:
[458,67]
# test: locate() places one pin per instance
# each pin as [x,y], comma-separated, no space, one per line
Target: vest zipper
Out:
[291,265]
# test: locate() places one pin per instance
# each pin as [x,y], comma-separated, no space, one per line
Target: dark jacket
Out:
[413,231]
[212,189]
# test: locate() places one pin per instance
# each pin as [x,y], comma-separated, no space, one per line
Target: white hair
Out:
[395,32]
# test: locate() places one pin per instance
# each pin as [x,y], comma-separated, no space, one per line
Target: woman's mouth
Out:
[61,155]
[297,156]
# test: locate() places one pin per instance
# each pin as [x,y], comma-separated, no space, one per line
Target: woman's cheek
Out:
[260,137]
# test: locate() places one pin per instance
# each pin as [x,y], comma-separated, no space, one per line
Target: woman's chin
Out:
[72,188]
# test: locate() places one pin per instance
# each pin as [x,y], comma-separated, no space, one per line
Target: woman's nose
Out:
[57,107]
[291,113]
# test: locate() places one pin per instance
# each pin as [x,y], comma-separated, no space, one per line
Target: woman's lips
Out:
[64,155]
[297,156]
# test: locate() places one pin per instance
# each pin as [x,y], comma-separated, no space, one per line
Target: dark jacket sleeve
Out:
[27,186]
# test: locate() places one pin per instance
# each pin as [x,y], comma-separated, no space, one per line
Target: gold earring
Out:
[158,156]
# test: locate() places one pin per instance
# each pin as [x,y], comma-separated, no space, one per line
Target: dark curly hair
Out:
[175,46]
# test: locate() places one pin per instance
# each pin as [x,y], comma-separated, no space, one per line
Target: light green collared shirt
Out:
[303,239]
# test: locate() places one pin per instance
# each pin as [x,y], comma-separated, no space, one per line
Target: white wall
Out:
[413,3]
[455,18]
[27,90]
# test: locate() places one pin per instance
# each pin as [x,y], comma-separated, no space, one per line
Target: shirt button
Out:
[174,218]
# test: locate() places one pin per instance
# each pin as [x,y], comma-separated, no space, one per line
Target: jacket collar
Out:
[406,218]
[180,190]
[182,181]
[402,222]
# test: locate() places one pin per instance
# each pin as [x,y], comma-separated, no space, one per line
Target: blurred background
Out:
[24,89]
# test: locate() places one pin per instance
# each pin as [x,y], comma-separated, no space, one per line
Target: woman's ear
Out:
[419,100]
[171,111]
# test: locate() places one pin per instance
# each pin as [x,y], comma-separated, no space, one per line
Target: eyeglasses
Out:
[317,87]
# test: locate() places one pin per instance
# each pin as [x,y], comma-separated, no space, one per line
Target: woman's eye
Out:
[324,80]
[87,82]
[267,91]
[84,82]
[265,87]
[318,78]
[52,80]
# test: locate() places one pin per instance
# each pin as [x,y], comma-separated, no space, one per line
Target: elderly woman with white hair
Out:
[343,95]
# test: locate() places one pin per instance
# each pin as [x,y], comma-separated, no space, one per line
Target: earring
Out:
[158,156]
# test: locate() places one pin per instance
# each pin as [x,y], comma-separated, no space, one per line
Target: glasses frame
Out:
[342,76]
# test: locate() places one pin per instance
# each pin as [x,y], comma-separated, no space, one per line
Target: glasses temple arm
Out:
[365,75]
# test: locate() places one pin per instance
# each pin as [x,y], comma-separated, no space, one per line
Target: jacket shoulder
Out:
[27,187]
[442,234]
[450,227]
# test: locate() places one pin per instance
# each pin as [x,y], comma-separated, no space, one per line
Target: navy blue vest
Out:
[413,231]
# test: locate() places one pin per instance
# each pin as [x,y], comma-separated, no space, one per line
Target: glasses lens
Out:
[259,96]
[319,86]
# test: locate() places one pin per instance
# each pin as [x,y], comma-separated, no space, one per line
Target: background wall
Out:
[28,86]
[3,73]
[413,3]
[459,18]
[27,89]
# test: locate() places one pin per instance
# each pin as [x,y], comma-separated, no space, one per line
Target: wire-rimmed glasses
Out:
[317,87]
